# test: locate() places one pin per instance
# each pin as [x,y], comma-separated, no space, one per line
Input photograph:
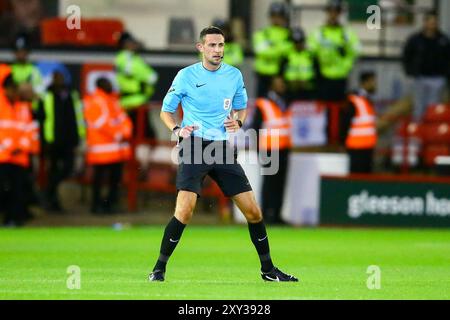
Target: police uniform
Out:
[335,47]
[270,46]
[299,71]
[136,80]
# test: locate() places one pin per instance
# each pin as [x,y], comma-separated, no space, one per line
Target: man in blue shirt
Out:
[213,97]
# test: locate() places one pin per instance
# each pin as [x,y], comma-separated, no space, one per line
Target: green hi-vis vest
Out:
[49,123]
[136,80]
[336,48]
[28,73]
[270,46]
[233,54]
[299,66]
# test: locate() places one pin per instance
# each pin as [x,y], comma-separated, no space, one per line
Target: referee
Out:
[213,97]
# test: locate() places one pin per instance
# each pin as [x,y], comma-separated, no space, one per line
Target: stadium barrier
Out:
[385,200]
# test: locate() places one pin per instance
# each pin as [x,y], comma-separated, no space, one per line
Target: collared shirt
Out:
[207,98]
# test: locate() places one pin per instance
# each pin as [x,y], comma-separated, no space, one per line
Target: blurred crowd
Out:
[49,122]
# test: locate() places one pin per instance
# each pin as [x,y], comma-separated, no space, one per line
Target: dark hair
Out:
[430,14]
[102,82]
[366,75]
[9,82]
[210,30]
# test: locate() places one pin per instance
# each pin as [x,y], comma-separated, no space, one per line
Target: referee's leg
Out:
[184,209]
[246,202]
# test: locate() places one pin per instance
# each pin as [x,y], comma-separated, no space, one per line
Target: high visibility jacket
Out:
[336,48]
[275,133]
[28,72]
[300,66]
[16,132]
[108,129]
[362,133]
[270,45]
[49,123]
[136,79]
[233,54]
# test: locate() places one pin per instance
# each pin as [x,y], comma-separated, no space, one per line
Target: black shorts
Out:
[199,158]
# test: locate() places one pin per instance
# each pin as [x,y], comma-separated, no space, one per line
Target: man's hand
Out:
[185,132]
[232,125]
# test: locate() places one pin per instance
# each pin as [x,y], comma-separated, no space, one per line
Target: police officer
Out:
[271,45]
[135,77]
[233,52]
[299,68]
[61,117]
[23,71]
[336,47]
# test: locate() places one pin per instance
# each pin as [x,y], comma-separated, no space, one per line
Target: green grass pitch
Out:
[221,263]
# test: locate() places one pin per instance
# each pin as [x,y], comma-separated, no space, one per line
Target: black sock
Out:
[260,239]
[172,235]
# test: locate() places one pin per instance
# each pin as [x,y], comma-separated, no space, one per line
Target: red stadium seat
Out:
[438,113]
[434,150]
[436,133]
[93,32]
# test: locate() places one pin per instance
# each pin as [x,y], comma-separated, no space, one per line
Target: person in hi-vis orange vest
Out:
[15,147]
[272,120]
[108,132]
[358,125]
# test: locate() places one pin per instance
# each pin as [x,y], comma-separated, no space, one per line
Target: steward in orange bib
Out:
[358,125]
[15,147]
[108,132]
[272,120]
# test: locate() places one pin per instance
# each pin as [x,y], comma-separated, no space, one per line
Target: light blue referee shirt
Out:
[207,98]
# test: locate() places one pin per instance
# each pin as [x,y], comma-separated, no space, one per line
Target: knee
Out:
[253,214]
[184,213]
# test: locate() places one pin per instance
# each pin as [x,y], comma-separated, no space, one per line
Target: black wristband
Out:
[175,128]
[239,123]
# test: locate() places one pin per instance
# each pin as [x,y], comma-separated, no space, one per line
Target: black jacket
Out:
[65,126]
[424,56]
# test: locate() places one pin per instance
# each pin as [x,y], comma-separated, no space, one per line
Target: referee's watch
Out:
[176,128]
[239,123]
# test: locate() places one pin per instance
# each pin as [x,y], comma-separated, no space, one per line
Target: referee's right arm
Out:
[171,102]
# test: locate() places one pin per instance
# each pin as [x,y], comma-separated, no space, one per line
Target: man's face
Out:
[371,85]
[278,20]
[333,15]
[279,85]
[212,48]
[21,55]
[131,45]
[58,79]
[431,24]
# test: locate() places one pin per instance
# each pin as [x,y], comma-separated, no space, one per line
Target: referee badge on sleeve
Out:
[227,104]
